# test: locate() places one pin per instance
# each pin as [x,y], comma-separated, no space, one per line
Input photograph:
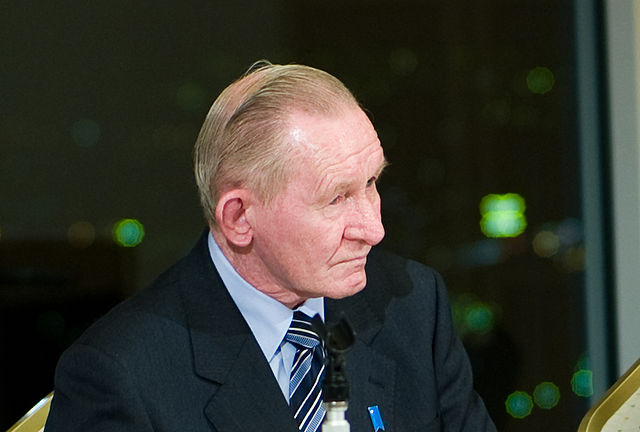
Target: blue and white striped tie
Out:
[305,383]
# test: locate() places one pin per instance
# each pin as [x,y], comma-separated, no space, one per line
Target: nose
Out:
[365,222]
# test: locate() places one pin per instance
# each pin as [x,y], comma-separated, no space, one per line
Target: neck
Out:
[253,270]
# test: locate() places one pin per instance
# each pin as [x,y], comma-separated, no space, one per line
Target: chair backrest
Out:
[619,408]
[34,420]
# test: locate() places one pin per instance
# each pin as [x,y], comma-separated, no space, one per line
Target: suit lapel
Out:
[249,398]
[372,382]
[246,396]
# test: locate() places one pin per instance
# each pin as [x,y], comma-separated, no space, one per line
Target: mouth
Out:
[354,257]
[355,260]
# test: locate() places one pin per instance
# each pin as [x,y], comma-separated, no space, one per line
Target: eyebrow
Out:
[344,185]
[385,163]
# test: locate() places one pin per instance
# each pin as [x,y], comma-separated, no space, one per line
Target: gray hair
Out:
[242,140]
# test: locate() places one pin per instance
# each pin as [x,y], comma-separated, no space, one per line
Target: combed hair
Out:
[242,141]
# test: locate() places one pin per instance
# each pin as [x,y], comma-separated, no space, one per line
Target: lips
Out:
[359,256]
[354,260]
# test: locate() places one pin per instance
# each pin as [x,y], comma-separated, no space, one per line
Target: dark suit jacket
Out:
[180,357]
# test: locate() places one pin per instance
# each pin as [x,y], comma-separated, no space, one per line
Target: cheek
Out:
[329,236]
[306,238]
[300,242]
[315,249]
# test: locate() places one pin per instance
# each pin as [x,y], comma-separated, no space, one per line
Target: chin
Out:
[348,287]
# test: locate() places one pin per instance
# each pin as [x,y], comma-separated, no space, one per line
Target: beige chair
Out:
[34,420]
[619,408]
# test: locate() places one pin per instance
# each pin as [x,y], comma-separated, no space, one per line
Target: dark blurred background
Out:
[101,103]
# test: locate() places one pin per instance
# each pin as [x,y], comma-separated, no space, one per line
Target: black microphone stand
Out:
[335,388]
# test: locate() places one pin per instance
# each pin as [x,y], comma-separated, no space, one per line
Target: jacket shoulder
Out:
[399,276]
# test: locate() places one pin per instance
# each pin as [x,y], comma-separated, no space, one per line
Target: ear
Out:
[231,215]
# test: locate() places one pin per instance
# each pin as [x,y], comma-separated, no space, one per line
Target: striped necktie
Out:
[305,383]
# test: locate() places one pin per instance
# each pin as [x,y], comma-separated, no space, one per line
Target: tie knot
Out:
[301,331]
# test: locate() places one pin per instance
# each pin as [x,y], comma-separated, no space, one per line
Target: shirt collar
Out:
[267,318]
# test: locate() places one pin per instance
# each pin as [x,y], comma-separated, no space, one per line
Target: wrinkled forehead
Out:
[339,132]
[327,151]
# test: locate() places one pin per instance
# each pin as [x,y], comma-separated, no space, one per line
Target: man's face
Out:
[314,237]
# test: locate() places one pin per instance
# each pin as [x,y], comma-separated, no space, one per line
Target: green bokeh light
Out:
[503,224]
[494,203]
[472,315]
[582,383]
[546,395]
[479,318]
[519,404]
[540,80]
[503,215]
[128,232]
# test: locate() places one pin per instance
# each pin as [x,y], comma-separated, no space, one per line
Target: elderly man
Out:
[286,164]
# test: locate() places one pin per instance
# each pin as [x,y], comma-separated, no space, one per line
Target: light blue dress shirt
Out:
[267,318]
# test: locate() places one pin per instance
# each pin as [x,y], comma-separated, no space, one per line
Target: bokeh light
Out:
[546,244]
[503,215]
[519,404]
[546,395]
[480,253]
[479,318]
[190,96]
[573,259]
[503,224]
[569,231]
[561,241]
[128,232]
[540,80]
[582,383]
[85,133]
[472,315]
[81,234]
[494,203]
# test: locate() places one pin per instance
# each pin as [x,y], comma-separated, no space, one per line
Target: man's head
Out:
[288,163]
[241,142]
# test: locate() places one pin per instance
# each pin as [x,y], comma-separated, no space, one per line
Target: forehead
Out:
[331,137]
[334,151]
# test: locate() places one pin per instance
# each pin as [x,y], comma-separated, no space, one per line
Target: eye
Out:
[337,200]
[371,181]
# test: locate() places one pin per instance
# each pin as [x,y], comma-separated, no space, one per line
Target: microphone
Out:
[338,340]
